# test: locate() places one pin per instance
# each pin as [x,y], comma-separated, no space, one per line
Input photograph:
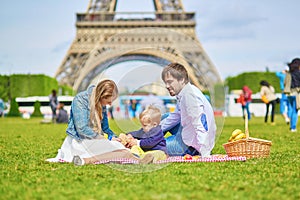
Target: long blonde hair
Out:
[104,89]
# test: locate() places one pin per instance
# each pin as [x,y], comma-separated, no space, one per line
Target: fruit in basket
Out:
[240,136]
[237,134]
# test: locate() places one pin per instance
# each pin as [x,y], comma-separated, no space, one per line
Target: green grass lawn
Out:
[25,144]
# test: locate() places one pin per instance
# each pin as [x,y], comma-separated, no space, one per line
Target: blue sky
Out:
[237,35]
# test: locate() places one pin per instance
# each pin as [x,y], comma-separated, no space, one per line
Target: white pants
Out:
[85,148]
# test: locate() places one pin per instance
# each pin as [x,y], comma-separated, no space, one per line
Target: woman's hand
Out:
[99,137]
[116,139]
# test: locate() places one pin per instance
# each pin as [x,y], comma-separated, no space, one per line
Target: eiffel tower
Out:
[104,36]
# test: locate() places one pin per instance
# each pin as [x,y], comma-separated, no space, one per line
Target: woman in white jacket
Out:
[269,91]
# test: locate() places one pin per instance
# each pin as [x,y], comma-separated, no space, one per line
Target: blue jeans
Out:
[247,109]
[294,112]
[175,145]
[285,107]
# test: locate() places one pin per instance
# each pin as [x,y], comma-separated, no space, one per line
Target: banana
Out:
[235,133]
[240,136]
[230,139]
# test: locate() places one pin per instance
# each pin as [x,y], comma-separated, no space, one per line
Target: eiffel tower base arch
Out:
[173,47]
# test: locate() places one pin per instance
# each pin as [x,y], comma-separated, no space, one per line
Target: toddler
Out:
[150,138]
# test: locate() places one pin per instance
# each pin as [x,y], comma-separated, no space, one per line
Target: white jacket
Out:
[196,116]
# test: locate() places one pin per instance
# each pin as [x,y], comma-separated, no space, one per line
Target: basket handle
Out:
[246,124]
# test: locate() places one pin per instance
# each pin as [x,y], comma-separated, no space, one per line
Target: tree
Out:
[14,109]
[37,110]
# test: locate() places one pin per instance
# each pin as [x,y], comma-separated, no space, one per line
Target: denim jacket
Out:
[78,126]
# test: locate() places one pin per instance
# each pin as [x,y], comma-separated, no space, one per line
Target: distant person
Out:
[292,89]
[154,100]
[62,116]
[53,102]
[2,107]
[285,109]
[127,108]
[267,91]
[245,99]
[133,107]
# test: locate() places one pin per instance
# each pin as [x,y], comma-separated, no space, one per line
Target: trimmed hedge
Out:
[4,84]
[24,85]
[66,90]
[31,85]
[252,80]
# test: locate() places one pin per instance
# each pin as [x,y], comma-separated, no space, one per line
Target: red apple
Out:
[187,157]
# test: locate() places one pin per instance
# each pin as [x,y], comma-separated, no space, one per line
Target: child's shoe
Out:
[136,150]
[158,155]
[147,159]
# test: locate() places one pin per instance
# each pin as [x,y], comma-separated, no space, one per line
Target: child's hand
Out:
[127,145]
[129,136]
[132,142]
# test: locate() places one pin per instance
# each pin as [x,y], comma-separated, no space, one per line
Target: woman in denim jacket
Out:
[88,122]
[91,123]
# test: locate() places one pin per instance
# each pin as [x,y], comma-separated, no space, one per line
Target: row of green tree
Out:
[19,85]
[23,85]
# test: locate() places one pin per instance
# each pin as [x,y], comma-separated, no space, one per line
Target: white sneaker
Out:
[78,161]
[59,156]
[293,130]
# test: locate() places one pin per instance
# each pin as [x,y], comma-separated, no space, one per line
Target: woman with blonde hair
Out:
[88,122]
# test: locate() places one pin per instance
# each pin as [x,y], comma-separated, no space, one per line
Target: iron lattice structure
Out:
[104,36]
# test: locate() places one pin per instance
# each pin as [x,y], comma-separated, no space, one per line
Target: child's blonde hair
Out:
[151,114]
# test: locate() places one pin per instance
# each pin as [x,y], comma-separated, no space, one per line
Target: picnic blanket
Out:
[174,159]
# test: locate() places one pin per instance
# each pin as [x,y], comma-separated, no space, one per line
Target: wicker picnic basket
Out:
[248,147]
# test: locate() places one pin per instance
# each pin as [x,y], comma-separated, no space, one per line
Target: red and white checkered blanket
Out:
[213,158]
[175,159]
